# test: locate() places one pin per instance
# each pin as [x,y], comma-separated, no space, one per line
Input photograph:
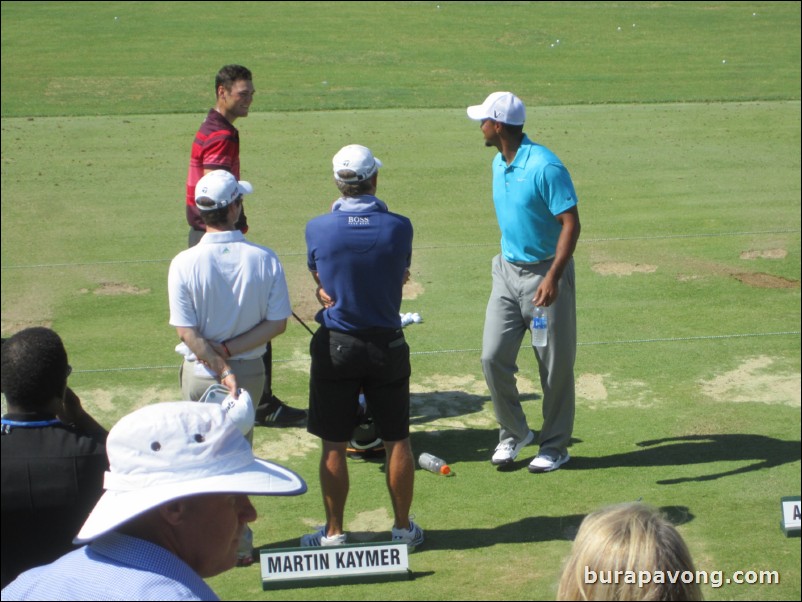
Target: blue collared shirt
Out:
[527,195]
[360,251]
[113,567]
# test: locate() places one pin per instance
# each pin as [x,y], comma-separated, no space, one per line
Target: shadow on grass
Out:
[468,445]
[435,405]
[531,529]
[759,451]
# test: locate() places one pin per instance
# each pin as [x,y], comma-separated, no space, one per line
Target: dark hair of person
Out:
[352,189]
[215,217]
[230,74]
[34,368]
[515,130]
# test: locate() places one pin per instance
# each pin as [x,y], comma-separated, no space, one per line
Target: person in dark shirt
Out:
[53,453]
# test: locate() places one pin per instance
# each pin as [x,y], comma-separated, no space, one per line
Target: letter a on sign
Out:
[792,516]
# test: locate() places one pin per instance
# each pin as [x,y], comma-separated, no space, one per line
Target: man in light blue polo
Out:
[536,209]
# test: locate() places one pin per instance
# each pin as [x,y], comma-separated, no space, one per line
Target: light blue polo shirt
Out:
[527,195]
[112,567]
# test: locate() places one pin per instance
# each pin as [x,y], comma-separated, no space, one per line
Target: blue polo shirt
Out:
[528,194]
[360,251]
[113,567]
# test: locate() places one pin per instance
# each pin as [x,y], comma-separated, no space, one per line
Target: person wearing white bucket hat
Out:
[175,505]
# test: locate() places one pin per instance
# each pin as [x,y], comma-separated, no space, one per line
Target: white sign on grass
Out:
[792,515]
[368,560]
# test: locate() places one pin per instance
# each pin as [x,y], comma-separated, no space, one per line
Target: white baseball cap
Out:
[504,107]
[172,450]
[239,410]
[356,158]
[220,187]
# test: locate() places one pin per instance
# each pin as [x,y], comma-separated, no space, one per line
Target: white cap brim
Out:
[478,112]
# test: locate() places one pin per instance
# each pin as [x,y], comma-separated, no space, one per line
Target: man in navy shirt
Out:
[359,254]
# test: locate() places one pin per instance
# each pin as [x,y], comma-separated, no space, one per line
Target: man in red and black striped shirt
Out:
[216,146]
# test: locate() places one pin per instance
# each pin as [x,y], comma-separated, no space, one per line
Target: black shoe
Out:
[278,413]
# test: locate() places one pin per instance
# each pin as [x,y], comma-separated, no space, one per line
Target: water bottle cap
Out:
[445,469]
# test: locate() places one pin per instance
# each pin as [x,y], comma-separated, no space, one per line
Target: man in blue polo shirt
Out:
[359,254]
[536,209]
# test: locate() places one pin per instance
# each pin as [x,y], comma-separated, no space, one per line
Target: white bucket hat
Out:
[503,107]
[171,450]
[356,158]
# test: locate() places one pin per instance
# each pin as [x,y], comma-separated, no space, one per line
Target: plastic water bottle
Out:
[540,332]
[434,464]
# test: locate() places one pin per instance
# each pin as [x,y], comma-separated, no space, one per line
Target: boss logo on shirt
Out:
[358,221]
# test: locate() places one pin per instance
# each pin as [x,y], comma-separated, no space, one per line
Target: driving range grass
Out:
[688,268]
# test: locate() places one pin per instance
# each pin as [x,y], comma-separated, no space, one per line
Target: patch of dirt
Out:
[117,288]
[622,269]
[412,290]
[760,280]
[752,381]
[591,389]
[12,327]
[755,279]
[103,400]
[369,526]
[280,445]
[765,254]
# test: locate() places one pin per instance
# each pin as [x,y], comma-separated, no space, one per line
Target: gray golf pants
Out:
[507,320]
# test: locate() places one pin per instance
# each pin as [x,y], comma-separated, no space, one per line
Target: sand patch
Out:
[760,280]
[591,387]
[753,382]
[123,400]
[12,327]
[412,290]
[765,254]
[117,288]
[622,269]
[280,445]
[596,391]
[370,525]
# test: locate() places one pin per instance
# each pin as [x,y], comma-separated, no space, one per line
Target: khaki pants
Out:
[509,312]
[250,377]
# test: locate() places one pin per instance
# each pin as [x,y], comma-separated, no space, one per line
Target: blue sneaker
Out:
[413,536]
[320,539]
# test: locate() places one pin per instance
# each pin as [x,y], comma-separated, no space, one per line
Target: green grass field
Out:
[680,124]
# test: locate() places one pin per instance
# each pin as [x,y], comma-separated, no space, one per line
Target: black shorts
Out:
[343,364]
